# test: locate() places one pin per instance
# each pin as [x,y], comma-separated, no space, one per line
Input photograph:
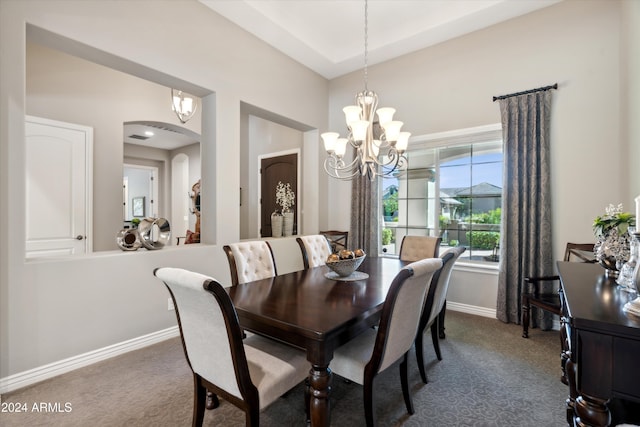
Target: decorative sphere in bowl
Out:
[345,267]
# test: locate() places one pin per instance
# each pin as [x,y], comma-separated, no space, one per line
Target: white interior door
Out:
[58,186]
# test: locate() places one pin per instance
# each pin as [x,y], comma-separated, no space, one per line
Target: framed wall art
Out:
[137,206]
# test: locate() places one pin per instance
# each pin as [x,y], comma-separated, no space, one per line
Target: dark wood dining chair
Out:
[370,353]
[249,373]
[550,301]
[435,303]
[338,240]
[250,260]
[315,250]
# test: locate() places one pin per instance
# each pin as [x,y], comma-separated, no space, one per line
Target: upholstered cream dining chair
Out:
[315,250]
[373,351]
[414,248]
[250,373]
[435,303]
[249,261]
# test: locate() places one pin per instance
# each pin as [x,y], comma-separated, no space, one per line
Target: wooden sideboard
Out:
[601,354]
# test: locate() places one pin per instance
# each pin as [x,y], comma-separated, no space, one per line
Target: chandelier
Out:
[183,104]
[379,145]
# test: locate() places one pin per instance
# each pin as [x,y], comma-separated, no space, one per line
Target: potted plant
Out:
[388,247]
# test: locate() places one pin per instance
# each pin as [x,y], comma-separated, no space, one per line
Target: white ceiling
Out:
[328,35]
[163,135]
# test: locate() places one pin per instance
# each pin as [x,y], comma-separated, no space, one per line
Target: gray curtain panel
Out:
[365,216]
[525,241]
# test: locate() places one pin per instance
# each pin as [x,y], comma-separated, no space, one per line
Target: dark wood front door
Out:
[273,170]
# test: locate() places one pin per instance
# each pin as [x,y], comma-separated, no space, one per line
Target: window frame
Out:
[465,136]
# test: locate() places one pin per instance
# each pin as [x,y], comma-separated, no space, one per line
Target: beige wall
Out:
[265,138]
[69,89]
[51,310]
[630,91]
[581,45]
[577,45]
[55,309]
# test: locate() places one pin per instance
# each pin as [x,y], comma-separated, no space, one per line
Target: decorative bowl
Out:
[345,267]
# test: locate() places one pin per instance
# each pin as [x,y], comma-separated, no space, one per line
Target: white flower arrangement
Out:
[285,196]
[613,240]
[614,217]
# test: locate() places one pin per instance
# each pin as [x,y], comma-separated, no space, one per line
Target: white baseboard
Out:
[51,370]
[32,376]
[471,309]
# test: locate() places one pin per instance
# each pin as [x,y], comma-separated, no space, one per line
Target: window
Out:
[451,187]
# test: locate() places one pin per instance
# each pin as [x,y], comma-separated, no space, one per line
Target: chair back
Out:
[249,261]
[211,334]
[337,239]
[580,252]
[315,250]
[414,248]
[437,294]
[401,313]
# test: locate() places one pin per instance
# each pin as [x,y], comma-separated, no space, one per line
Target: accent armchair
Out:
[550,301]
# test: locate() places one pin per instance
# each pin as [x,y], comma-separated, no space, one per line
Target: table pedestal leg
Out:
[319,390]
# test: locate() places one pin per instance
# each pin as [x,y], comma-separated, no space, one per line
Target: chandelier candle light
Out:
[360,118]
[183,105]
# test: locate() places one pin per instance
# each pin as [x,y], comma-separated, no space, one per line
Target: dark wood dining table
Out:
[315,313]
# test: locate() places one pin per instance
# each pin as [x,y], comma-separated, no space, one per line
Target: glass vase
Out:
[612,250]
[626,279]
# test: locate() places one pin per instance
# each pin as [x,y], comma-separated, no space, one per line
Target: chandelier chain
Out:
[366,44]
[379,157]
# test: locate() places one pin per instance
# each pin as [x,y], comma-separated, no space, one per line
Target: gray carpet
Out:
[489,376]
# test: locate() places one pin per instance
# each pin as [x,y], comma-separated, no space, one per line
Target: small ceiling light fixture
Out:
[373,157]
[183,104]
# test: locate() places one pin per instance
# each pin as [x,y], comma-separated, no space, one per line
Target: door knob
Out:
[79,237]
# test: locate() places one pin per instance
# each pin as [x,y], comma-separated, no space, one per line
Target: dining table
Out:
[317,312]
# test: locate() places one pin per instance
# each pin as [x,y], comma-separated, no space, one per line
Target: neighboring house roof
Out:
[392,189]
[482,189]
[447,199]
[448,195]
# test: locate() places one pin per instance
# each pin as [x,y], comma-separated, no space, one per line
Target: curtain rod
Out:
[540,89]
